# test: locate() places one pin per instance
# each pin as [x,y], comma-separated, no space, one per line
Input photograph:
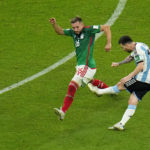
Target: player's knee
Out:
[120,86]
[85,81]
[133,100]
[73,86]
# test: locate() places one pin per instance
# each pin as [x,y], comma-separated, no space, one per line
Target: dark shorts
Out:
[137,87]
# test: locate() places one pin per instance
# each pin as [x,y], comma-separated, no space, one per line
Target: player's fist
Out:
[52,20]
[108,47]
[115,64]
[125,79]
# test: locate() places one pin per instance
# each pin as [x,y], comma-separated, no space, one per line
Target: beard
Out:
[77,33]
[129,51]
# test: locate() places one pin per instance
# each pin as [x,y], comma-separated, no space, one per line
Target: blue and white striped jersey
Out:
[142,54]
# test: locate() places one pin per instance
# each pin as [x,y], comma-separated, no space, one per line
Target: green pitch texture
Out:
[28,44]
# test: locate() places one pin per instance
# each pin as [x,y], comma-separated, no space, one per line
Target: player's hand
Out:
[125,79]
[108,47]
[52,21]
[115,64]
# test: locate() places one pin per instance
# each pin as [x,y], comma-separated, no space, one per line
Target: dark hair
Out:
[76,19]
[125,39]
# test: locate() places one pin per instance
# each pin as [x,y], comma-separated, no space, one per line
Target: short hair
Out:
[76,19]
[125,39]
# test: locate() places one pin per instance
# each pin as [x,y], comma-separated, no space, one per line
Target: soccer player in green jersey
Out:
[84,38]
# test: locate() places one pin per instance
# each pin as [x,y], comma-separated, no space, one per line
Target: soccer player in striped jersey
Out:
[137,82]
[84,38]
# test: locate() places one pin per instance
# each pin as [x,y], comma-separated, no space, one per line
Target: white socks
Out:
[109,90]
[128,114]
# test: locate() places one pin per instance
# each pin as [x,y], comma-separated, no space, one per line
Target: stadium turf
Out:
[28,44]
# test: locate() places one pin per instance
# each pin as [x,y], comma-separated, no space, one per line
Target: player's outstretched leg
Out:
[109,90]
[96,84]
[67,101]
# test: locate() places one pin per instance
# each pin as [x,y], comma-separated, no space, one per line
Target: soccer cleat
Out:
[59,113]
[93,88]
[117,126]
[111,128]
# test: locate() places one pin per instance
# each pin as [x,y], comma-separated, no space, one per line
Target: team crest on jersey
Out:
[137,58]
[82,36]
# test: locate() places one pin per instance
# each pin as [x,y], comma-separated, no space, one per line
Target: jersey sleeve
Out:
[68,32]
[139,56]
[95,29]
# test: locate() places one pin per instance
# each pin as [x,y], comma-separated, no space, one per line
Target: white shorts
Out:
[83,75]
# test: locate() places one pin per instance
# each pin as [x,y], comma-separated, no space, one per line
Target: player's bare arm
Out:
[126,60]
[107,31]
[56,27]
[138,69]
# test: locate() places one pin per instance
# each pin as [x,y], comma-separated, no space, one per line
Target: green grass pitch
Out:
[28,44]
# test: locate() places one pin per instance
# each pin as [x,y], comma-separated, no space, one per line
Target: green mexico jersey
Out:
[84,44]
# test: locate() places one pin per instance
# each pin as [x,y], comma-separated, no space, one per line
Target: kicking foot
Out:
[117,126]
[93,89]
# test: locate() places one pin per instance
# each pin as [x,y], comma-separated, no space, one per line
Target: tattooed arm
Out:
[126,60]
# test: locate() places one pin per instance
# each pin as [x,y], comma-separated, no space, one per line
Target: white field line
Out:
[111,21]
